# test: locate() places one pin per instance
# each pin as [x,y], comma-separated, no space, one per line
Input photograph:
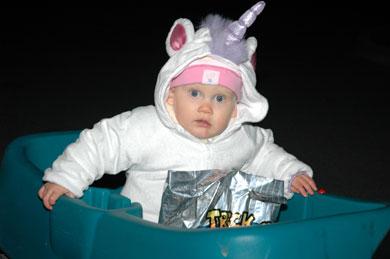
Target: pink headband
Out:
[210,72]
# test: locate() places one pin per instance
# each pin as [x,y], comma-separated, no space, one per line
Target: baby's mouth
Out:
[203,123]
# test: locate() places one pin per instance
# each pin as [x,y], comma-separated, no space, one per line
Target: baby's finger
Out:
[308,186]
[301,190]
[299,184]
[54,197]
[46,203]
[41,191]
[311,182]
[309,189]
[298,189]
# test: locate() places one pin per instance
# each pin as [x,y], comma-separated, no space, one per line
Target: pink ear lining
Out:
[178,37]
[253,60]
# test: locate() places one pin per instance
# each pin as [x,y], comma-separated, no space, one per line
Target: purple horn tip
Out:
[258,8]
[237,29]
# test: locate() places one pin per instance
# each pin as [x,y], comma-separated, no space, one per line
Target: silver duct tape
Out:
[215,198]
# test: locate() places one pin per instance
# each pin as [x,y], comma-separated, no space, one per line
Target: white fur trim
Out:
[251,42]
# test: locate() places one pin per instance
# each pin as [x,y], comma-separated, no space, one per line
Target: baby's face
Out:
[203,110]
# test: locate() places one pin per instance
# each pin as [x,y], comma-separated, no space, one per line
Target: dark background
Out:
[323,67]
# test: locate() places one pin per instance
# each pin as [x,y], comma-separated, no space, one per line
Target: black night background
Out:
[324,69]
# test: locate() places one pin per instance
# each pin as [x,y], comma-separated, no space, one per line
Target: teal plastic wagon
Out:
[104,224]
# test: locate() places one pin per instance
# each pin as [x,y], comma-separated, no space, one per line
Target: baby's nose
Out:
[205,107]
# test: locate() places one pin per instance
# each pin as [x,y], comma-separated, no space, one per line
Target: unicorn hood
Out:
[223,40]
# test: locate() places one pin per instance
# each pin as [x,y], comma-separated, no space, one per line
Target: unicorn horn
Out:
[237,29]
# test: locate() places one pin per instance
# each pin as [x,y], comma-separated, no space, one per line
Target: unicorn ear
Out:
[251,43]
[181,32]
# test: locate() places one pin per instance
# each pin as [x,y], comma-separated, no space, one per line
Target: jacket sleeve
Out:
[97,151]
[270,160]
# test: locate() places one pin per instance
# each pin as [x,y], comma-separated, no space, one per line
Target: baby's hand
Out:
[50,192]
[303,183]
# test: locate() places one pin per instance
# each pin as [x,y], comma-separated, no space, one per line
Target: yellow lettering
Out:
[247,221]
[213,217]
[225,219]
[235,220]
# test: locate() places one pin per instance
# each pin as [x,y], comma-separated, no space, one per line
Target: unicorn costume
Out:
[147,141]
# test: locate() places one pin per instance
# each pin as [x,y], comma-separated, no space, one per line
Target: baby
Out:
[205,102]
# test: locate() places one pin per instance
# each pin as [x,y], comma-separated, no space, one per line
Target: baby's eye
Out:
[195,93]
[219,98]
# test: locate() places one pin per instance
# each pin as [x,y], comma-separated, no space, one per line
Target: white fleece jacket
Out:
[146,142]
